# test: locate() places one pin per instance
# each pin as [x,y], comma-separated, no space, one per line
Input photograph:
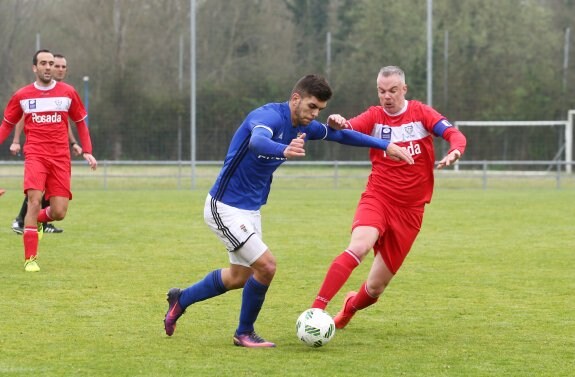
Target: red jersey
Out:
[46,111]
[411,128]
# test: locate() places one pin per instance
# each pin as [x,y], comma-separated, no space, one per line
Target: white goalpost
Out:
[569,140]
[567,144]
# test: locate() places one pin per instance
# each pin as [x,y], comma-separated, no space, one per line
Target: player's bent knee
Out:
[377,287]
[57,215]
[265,272]
[376,291]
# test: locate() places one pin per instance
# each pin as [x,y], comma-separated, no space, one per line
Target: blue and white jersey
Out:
[245,179]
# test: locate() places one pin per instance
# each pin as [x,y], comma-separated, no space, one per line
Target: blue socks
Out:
[211,286]
[253,298]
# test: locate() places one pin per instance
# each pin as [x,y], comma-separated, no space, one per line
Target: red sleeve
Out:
[363,123]
[84,136]
[5,130]
[77,110]
[13,111]
[456,139]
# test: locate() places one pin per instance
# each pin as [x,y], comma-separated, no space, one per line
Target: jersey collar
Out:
[51,86]
[403,110]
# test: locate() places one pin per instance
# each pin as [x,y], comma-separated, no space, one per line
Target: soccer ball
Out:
[315,328]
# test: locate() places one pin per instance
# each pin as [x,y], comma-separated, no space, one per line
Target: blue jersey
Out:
[257,150]
[245,179]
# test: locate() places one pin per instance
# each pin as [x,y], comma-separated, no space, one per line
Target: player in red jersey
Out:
[46,105]
[59,72]
[390,212]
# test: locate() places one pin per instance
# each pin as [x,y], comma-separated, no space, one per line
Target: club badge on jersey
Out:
[386,133]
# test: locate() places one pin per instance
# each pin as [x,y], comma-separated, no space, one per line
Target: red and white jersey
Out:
[46,111]
[411,128]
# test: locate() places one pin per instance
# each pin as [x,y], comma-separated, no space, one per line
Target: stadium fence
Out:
[179,175]
[548,146]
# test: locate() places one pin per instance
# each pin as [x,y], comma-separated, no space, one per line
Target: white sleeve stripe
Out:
[264,127]
[79,120]
[7,121]
[325,128]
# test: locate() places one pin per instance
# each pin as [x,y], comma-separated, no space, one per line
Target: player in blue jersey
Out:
[267,137]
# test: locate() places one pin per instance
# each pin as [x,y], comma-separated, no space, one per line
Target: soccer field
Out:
[487,290]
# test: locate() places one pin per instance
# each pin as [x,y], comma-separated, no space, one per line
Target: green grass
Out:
[487,290]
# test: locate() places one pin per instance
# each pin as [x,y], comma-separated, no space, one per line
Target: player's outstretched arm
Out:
[336,121]
[357,139]
[397,153]
[450,159]
[2,191]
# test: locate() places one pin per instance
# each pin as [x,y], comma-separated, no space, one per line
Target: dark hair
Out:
[59,56]
[313,85]
[35,58]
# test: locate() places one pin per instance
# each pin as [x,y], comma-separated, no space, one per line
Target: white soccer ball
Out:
[315,328]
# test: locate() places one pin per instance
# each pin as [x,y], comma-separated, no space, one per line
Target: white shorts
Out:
[239,229]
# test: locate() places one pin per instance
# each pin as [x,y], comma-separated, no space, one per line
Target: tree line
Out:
[492,60]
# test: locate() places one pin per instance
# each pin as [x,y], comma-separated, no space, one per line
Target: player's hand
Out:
[15,148]
[336,121]
[76,149]
[397,153]
[2,191]
[91,160]
[295,147]
[450,159]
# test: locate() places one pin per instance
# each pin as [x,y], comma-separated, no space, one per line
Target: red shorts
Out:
[50,176]
[398,227]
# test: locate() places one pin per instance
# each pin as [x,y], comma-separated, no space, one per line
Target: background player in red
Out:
[46,105]
[390,211]
[59,72]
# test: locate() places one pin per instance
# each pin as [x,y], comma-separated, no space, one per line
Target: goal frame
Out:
[568,126]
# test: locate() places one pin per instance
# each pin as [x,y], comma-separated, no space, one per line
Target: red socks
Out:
[337,274]
[360,301]
[30,238]
[43,216]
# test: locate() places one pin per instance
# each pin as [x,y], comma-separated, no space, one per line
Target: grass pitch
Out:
[487,290]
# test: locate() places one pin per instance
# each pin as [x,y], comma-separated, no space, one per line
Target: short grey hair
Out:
[391,70]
